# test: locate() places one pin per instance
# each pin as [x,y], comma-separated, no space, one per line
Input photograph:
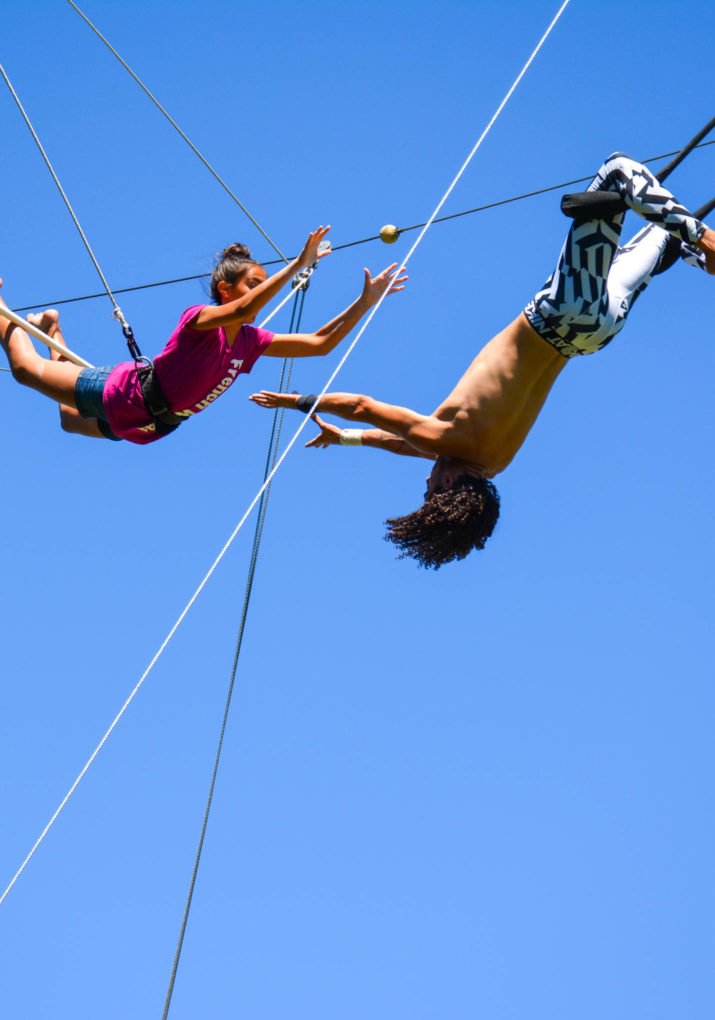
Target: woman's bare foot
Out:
[48,321]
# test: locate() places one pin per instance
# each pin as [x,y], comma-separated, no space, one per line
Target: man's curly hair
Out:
[449,524]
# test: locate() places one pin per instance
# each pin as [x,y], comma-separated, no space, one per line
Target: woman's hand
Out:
[310,253]
[387,280]
[267,399]
[329,435]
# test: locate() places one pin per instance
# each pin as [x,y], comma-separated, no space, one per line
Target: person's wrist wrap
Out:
[305,402]
[351,437]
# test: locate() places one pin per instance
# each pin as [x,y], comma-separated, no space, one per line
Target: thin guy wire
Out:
[173,123]
[87,245]
[258,534]
[352,244]
[283,456]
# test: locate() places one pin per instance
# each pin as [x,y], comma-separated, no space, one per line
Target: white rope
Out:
[278,463]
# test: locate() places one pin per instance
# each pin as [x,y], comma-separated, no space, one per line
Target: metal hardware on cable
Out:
[128,335]
[302,278]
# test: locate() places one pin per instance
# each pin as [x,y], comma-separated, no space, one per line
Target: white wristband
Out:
[351,437]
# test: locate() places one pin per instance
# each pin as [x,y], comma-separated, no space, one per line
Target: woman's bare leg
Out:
[54,379]
[70,418]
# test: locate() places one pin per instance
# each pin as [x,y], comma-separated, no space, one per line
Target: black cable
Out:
[271,455]
[349,244]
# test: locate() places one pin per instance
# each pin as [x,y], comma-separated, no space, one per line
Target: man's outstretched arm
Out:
[423,433]
[331,435]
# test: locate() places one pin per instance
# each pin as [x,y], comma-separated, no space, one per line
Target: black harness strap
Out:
[156,403]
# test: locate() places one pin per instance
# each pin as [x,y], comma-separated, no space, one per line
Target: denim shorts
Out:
[88,392]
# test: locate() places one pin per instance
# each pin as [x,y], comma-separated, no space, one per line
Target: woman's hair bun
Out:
[230,264]
[235,251]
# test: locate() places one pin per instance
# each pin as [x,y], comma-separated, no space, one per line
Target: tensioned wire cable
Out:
[284,383]
[352,244]
[289,447]
[117,313]
[173,123]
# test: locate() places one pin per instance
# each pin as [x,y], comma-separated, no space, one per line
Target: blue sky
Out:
[483,792]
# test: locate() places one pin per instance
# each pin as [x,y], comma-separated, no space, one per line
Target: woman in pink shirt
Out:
[210,347]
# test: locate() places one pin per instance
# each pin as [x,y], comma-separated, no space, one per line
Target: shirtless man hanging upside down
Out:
[476,432]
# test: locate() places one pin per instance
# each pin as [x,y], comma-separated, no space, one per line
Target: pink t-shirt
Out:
[195,368]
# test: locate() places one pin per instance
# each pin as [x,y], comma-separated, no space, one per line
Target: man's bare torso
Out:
[497,400]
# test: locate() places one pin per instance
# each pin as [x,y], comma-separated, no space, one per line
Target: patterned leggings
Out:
[586,300]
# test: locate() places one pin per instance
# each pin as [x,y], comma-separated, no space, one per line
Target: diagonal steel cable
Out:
[173,123]
[117,310]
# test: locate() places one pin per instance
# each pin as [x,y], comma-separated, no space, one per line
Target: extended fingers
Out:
[264,398]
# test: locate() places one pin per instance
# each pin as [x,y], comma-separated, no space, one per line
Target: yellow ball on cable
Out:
[389,233]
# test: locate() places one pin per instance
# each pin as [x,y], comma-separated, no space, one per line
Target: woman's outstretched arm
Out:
[305,345]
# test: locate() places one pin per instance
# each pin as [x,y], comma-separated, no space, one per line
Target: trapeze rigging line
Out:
[173,123]
[117,313]
[694,143]
[352,244]
[273,442]
[286,451]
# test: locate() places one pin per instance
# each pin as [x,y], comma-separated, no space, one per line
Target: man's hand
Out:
[387,280]
[329,435]
[310,254]
[267,399]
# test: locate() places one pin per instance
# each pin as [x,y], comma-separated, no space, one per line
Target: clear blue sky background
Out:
[484,792]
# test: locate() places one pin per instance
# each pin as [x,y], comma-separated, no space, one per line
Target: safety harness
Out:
[155,402]
[165,421]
